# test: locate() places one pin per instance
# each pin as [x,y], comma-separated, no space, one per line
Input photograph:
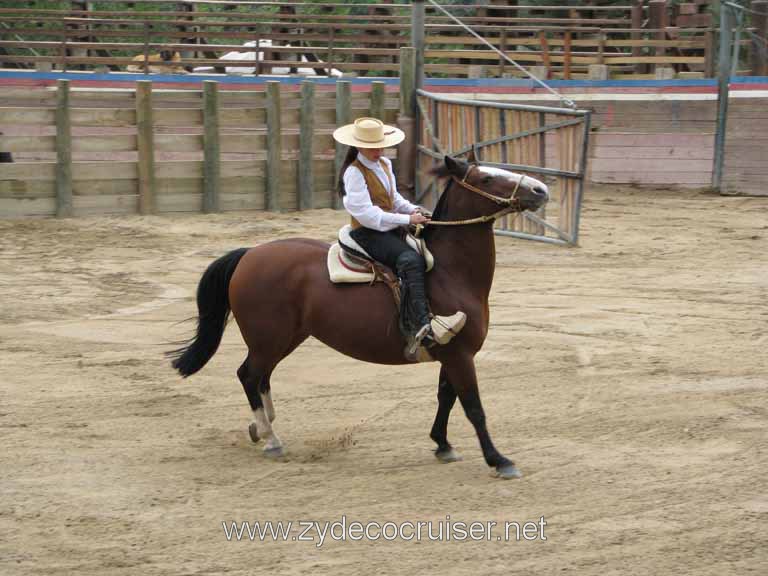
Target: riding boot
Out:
[415,319]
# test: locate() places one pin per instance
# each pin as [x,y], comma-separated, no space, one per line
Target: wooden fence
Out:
[81,151]
[86,151]
[634,41]
[666,143]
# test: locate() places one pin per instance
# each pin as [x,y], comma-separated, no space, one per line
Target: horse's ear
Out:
[453,165]
[471,158]
[456,167]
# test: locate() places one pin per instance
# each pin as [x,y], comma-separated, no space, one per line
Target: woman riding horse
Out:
[280,294]
[378,215]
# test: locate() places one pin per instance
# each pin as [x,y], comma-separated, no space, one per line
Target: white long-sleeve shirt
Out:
[358,203]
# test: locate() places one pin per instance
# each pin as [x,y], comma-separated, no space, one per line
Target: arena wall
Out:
[645,133]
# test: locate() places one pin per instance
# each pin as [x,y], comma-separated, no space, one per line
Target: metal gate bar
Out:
[513,137]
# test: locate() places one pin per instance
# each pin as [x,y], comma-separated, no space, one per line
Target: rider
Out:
[379,214]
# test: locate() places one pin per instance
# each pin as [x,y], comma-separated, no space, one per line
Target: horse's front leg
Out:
[446,398]
[460,370]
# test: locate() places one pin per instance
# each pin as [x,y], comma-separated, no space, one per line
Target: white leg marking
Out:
[265,430]
[269,408]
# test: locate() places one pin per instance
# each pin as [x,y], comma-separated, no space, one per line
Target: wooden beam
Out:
[545,53]
[306,129]
[63,151]
[211,152]
[376,109]
[637,24]
[407,81]
[274,147]
[759,44]
[146,146]
[343,116]
[658,20]
[567,56]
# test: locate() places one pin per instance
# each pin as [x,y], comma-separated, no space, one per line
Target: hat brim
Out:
[345,135]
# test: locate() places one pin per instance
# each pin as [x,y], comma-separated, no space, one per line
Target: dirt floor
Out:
[627,378]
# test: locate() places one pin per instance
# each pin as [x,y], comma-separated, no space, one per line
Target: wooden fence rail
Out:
[80,151]
[632,41]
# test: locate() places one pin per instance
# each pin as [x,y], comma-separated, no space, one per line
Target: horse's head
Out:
[526,192]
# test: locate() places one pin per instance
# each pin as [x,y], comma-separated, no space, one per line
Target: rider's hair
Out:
[348,159]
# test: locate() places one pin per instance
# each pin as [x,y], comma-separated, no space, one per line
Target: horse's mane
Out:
[441,171]
[438,212]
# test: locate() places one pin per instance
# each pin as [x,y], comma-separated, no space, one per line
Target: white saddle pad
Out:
[342,269]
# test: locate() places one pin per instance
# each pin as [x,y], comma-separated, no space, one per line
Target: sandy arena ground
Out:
[628,379]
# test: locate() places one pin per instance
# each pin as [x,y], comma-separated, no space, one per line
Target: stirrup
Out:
[444,328]
[415,342]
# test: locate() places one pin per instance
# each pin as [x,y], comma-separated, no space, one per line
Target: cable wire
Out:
[568,102]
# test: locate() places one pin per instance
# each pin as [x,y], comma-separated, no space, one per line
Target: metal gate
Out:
[547,143]
[740,140]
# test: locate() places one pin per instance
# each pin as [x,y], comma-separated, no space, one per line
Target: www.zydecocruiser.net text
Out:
[345,530]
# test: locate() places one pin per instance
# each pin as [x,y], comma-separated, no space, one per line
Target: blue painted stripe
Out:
[459,82]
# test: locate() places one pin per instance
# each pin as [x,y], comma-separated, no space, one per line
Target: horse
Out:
[280,294]
[166,62]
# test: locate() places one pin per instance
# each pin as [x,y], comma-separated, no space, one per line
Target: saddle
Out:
[348,262]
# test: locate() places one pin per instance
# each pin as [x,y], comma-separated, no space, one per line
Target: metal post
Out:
[726,24]
[417,40]
[582,179]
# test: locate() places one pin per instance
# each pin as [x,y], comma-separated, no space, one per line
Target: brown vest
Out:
[379,195]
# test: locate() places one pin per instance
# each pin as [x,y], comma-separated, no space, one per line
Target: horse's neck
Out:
[466,253]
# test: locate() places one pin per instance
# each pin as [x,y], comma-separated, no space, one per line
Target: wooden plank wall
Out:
[670,143]
[104,149]
[652,142]
[746,147]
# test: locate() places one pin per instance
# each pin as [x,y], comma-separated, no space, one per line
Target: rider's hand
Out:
[418,218]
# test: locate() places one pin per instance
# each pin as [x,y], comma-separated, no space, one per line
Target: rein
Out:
[510,204]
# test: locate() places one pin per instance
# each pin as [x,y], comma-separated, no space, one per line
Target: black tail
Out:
[213,311]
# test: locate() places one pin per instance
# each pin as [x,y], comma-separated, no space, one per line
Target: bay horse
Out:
[280,294]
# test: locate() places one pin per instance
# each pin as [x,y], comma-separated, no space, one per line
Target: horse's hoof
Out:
[275,452]
[508,471]
[253,432]
[447,456]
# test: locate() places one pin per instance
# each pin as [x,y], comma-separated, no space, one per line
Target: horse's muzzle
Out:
[542,193]
[539,195]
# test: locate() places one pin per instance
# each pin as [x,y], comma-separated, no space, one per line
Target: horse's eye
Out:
[487,179]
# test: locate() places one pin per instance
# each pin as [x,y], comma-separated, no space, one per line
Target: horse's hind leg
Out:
[255,382]
[446,398]
[266,397]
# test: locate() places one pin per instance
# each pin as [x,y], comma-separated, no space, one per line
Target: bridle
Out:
[511,204]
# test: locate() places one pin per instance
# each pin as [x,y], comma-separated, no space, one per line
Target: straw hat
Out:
[369,133]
